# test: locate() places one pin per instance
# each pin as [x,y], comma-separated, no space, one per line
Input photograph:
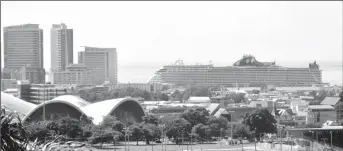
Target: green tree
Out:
[163,97]
[37,130]
[145,95]
[104,134]
[108,130]
[70,127]
[150,132]
[177,95]
[177,128]
[150,119]
[255,91]
[260,121]
[237,97]
[186,95]
[241,130]
[136,132]
[112,122]
[201,92]
[203,132]
[217,125]
[321,95]
[207,131]
[196,116]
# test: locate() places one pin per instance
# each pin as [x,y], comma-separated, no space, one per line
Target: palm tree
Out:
[13,135]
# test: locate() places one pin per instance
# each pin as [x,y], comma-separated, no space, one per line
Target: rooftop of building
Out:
[22,26]
[198,99]
[321,107]
[330,100]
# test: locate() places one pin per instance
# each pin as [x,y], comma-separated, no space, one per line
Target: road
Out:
[197,147]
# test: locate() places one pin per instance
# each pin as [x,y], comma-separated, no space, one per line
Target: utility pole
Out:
[125,140]
[221,137]
[242,141]
[44,97]
[182,140]
[331,137]
[255,143]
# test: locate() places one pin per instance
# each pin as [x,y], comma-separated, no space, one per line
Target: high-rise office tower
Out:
[23,47]
[102,62]
[61,47]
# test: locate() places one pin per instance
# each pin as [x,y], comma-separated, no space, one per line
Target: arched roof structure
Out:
[125,109]
[13,103]
[75,100]
[66,104]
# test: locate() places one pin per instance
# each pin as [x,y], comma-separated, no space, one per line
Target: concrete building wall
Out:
[74,74]
[339,111]
[321,116]
[103,64]
[81,56]
[8,84]
[142,86]
[32,74]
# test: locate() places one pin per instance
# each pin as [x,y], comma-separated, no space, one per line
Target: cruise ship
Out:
[246,72]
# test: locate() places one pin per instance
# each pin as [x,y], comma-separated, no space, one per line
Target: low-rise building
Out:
[74,74]
[6,73]
[298,105]
[337,104]
[142,86]
[286,117]
[29,73]
[13,92]
[320,113]
[149,87]
[199,100]
[38,93]
[100,89]
[8,84]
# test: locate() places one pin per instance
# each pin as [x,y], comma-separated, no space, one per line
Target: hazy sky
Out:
[162,32]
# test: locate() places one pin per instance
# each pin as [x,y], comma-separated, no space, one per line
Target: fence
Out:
[312,146]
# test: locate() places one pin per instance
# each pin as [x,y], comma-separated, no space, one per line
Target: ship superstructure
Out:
[248,72]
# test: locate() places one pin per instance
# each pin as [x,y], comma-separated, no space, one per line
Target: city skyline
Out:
[285,31]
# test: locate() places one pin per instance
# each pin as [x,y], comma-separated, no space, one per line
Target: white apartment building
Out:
[102,62]
[61,47]
[74,74]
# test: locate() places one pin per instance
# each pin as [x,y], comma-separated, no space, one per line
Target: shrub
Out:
[70,127]
[13,134]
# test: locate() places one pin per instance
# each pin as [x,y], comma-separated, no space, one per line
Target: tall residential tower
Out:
[61,47]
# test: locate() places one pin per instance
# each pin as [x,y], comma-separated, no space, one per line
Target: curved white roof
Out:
[70,100]
[104,108]
[75,100]
[13,103]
